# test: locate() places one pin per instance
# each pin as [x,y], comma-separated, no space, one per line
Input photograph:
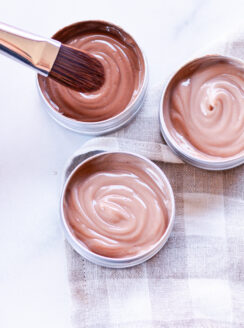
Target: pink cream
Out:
[205,110]
[116,205]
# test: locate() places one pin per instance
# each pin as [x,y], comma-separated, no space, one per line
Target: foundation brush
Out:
[71,67]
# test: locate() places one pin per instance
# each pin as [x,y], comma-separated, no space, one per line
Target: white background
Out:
[33,149]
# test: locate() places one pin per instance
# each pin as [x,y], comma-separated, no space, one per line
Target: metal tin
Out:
[105,126]
[210,163]
[73,165]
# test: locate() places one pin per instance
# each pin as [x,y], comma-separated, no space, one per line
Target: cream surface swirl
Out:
[115,207]
[124,72]
[207,109]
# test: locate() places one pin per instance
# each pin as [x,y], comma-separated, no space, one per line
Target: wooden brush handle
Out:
[35,51]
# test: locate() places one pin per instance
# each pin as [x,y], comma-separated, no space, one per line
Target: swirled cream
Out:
[117,206]
[124,72]
[206,109]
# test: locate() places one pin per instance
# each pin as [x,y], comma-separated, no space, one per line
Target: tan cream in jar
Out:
[124,72]
[118,205]
[203,109]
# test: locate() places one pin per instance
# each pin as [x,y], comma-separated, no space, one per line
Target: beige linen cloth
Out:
[197,279]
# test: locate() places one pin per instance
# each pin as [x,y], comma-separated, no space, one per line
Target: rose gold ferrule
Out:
[35,51]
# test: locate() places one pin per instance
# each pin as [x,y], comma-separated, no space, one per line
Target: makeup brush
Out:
[71,67]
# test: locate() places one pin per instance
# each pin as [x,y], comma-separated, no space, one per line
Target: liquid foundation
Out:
[124,73]
[202,113]
[117,205]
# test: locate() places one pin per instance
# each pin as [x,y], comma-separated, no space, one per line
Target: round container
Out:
[110,124]
[189,155]
[73,165]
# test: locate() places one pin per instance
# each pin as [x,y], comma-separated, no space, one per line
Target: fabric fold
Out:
[197,279]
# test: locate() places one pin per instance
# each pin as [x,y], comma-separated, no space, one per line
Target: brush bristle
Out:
[77,70]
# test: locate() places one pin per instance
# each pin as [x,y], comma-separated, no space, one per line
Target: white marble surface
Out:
[33,276]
